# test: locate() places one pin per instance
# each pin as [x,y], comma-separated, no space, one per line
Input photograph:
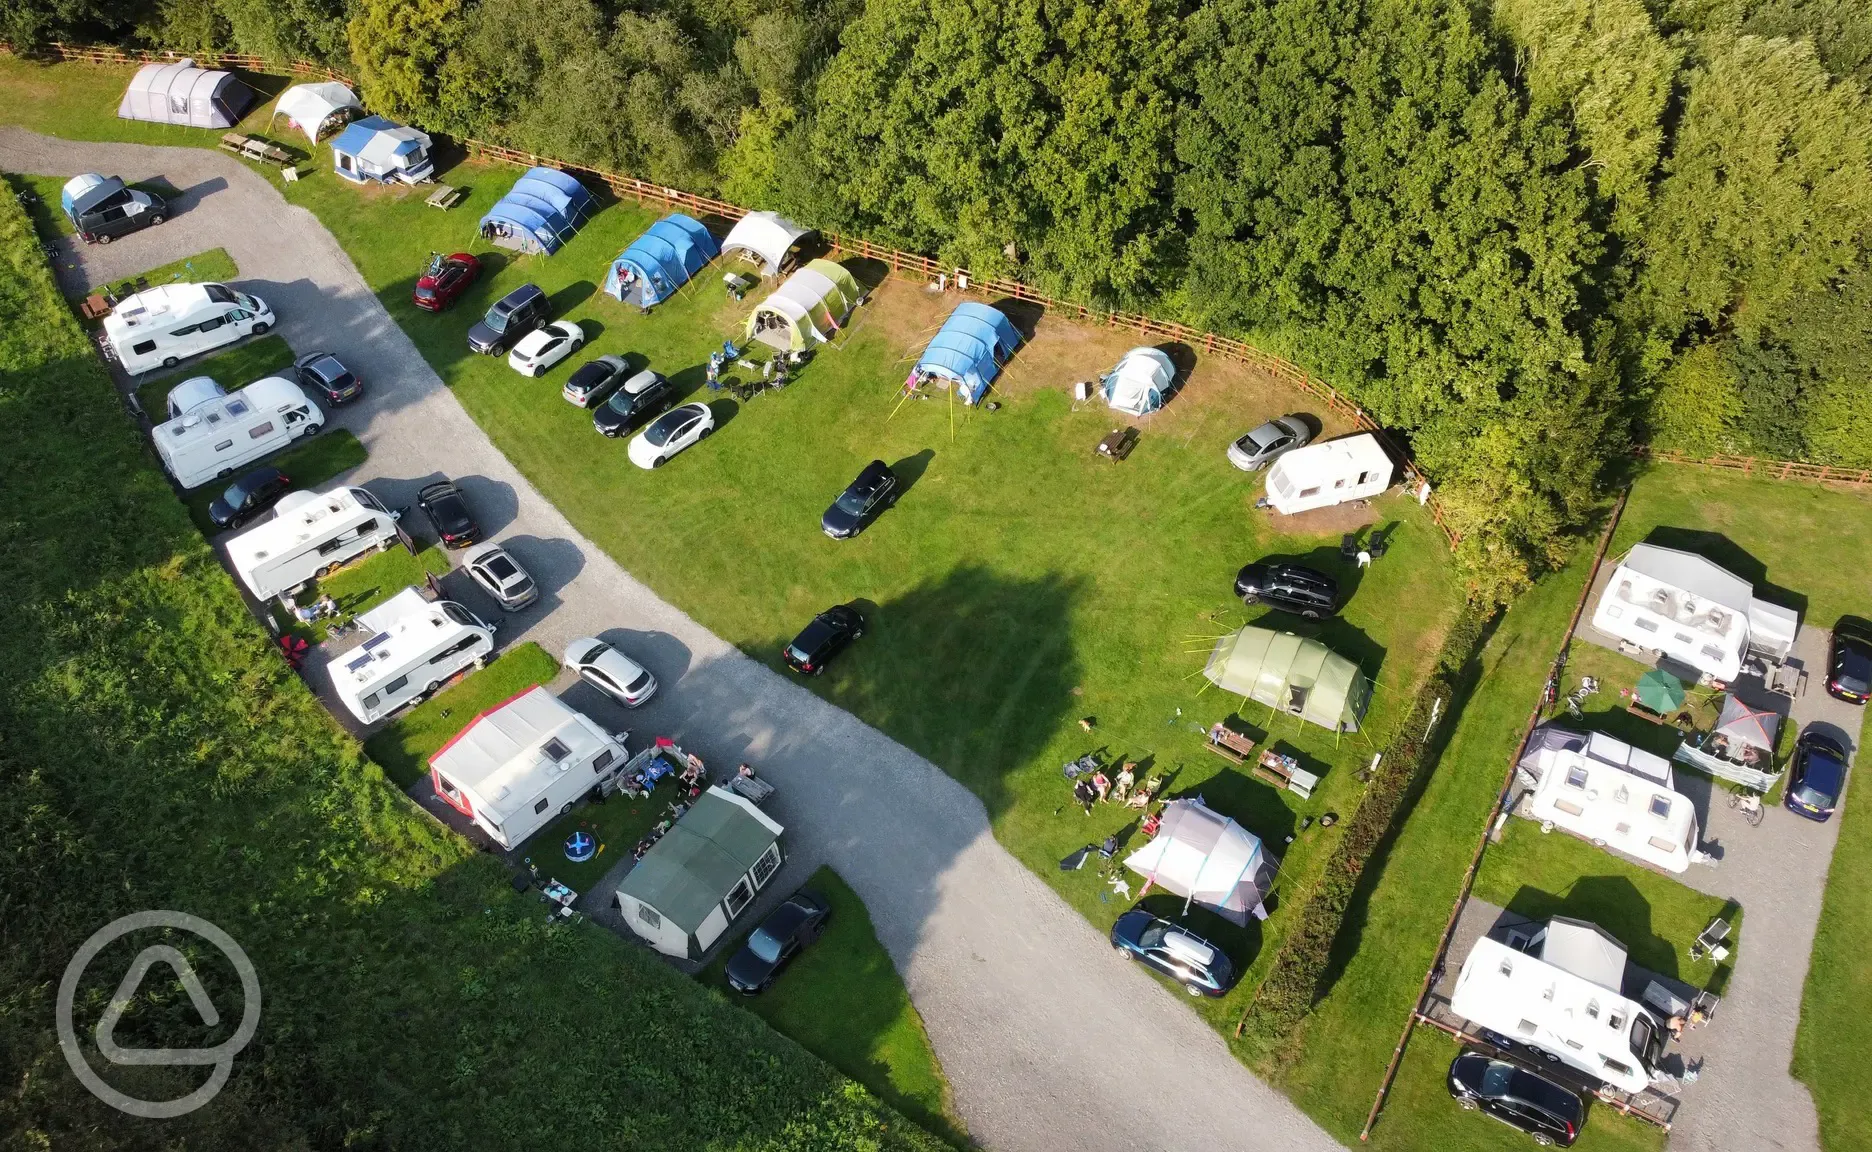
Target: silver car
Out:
[500,576]
[1257,449]
[610,671]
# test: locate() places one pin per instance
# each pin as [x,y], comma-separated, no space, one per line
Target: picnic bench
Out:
[94,307]
[1787,679]
[1118,444]
[254,148]
[1229,744]
[1284,771]
[445,197]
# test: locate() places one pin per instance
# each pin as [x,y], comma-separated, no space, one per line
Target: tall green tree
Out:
[288,30]
[397,50]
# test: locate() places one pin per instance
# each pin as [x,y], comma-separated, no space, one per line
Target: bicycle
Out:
[1749,805]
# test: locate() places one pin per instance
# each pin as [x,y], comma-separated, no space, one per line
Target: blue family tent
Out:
[970,348]
[540,213]
[660,261]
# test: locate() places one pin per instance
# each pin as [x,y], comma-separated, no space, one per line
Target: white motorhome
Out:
[162,326]
[1557,989]
[413,646]
[518,766]
[310,533]
[1321,475]
[1610,793]
[220,434]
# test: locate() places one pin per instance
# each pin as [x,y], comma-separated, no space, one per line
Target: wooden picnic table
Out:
[445,197]
[94,306]
[1229,744]
[1284,771]
[1118,444]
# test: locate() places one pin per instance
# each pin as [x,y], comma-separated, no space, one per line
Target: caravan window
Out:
[1713,652]
[370,701]
[767,864]
[1647,625]
[395,686]
[224,446]
[260,431]
[337,542]
[739,897]
[211,325]
[541,806]
[1662,845]
[458,614]
[555,750]
[1660,807]
[143,347]
[1306,492]
[185,331]
[221,294]
[603,761]
[463,645]
[1368,478]
[448,788]
[1576,778]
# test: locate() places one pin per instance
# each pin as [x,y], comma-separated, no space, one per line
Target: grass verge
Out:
[235,368]
[309,463]
[364,585]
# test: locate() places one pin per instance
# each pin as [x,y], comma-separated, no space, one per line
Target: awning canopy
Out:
[688,872]
[1138,383]
[1207,859]
[1751,726]
[540,213]
[662,260]
[765,238]
[307,106]
[1293,674]
[970,348]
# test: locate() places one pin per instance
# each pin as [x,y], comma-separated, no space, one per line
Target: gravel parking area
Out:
[1049,1040]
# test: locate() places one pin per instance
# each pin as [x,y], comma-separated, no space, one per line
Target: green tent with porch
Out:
[808,309]
[1291,674]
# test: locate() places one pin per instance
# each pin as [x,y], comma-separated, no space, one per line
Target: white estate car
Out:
[541,348]
[500,576]
[670,433]
[610,671]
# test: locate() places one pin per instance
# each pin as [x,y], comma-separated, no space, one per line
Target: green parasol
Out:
[1659,691]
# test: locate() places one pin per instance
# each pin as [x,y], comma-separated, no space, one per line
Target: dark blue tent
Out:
[662,260]
[541,212]
[970,348]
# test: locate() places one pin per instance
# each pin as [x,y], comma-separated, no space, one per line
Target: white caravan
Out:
[1321,475]
[518,766]
[310,533]
[1610,793]
[1692,610]
[162,326]
[414,646]
[192,394]
[220,434]
[1557,989]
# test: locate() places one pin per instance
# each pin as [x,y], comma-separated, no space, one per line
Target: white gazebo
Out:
[309,107]
[764,238]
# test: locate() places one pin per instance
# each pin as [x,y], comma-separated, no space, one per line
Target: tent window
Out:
[768,863]
[1296,699]
[738,897]
[649,916]
[1661,807]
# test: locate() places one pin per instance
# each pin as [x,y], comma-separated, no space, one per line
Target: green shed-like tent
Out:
[1292,674]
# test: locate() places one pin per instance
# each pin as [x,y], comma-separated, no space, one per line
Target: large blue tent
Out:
[541,212]
[661,260]
[970,348]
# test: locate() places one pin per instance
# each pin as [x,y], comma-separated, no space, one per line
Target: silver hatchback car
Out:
[1258,449]
[500,576]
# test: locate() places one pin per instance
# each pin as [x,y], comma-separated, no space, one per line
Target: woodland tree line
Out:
[1530,235]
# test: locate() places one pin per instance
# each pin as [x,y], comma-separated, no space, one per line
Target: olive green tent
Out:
[806,310]
[1291,674]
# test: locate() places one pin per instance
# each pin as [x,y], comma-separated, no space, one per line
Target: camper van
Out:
[160,327]
[102,208]
[214,438]
[310,533]
[413,647]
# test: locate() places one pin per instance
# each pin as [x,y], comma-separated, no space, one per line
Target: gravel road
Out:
[1049,1040]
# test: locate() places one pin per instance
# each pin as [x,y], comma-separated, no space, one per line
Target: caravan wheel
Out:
[567,807]
[170,362]
[434,685]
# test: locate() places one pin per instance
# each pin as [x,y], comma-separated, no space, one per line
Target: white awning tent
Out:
[1137,385]
[764,238]
[308,107]
[181,93]
[1207,859]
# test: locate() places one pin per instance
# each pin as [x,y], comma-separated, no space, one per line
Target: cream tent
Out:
[1207,859]
[181,93]
[764,238]
[1292,674]
[808,309]
[1138,383]
[308,107]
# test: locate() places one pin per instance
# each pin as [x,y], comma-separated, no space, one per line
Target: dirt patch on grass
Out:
[1328,522]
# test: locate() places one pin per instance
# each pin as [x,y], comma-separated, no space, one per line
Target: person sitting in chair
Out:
[1127,778]
[1103,783]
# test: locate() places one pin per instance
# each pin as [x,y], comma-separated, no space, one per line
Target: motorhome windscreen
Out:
[221,294]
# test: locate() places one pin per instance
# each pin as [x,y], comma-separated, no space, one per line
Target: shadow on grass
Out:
[1719,548]
[1613,903]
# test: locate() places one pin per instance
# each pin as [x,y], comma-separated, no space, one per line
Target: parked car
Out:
[102,208]
[500,576]
[863,499]
[247,497]
[636,400]
[1519,1097]
[541,348]
[787,930]
[444,280]
[1201,967]
[1849,667]
[1290,587]
[447,510]
[513,316]
[1258,448]
[327,377]
[670,433]
[1817,776]
[593,380]
[824,638]
[610,671]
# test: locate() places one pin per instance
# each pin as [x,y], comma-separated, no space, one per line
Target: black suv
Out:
[873,491]
[1290,587]
[824,638]
[513,316]
[1518,1097]
[636,400]
[247,497]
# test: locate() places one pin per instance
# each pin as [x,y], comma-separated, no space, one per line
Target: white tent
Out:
[764,238]
[1207,859]
[1138,383]
[308,106]
[181,93]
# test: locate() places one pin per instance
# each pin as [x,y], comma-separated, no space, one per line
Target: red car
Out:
[446,278]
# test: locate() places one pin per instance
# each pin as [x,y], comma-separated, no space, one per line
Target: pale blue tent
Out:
[540,213]
[970,348]
[660,261]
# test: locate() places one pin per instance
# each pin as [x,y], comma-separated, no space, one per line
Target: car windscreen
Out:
[496,319]
[425,293]
[764,945]
[1815,793]
[852,501]
[592,653]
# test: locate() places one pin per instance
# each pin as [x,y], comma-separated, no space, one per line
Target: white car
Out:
[500,576]
[541,348]
[610,671]
[670,433]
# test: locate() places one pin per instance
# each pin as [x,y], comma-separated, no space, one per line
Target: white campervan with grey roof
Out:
[162,326]
[310,533]
[413,646]
[220,434]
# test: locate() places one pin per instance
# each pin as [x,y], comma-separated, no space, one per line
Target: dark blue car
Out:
[1201,967]
[1817,777]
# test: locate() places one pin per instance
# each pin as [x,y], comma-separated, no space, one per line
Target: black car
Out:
[1849,667]
[873,491]
[247,497]
[1289,587]
[1817,777]
[1201,967]
[324,374]
[824,638]
[781,936]
[447,510]
[636,400]
[513,316]
[109,209]
[1518,1097]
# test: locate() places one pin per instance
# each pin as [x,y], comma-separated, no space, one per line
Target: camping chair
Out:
[1710,941]
[1348,546]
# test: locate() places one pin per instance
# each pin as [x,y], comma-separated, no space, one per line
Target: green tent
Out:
[702,874]
[1292,674]
[806,310]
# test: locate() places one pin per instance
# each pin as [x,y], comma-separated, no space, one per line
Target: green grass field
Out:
[237,367]
[404,747]
[363,585]
[214,266]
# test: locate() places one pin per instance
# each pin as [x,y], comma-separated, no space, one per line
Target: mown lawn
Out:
[403,748]
[363,585]
[214,266]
